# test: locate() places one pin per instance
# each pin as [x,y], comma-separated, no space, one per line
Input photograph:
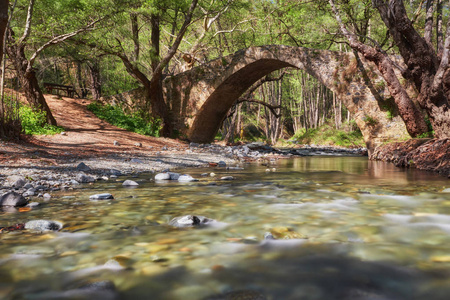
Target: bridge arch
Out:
[200,98]
[214,110]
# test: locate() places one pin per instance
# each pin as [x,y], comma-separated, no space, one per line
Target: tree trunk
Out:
[94,74]
[410,114]
[159,108]
[29,82]
[427,70]
[3,24]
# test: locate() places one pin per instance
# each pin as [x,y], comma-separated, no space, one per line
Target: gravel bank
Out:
[31,180]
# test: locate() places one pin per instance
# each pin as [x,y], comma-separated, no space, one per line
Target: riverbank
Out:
[424,154]
[33,170]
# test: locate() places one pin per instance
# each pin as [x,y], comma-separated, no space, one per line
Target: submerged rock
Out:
[12,199]
[268,236]
[43,225]
[104,196]
[190,221]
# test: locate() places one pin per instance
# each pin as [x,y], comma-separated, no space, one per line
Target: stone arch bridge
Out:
[200,98]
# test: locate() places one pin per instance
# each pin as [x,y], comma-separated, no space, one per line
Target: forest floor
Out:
[104,146]
[88,138]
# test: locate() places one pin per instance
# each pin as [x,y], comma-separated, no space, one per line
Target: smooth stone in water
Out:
[43,225]
[83,167]
[222,164]
[47,196]
[268,236]
[227,178]
[190,221]
[174,176]
[186,178]
[162,176]
[446,190]
[12,199]
[104,196]
[130,183]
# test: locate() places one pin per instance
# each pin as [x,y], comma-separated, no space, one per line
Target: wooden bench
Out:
[50,87]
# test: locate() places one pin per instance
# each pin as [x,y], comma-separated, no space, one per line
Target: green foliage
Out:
[327,135]
[430,132]
[134,122]
[390,115]
[371,121]
[35,122]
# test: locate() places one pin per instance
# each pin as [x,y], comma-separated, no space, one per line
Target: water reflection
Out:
[344,228]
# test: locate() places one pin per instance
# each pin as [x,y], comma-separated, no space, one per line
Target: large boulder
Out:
[12,199]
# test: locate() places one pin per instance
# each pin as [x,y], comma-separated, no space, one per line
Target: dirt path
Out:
[86,137]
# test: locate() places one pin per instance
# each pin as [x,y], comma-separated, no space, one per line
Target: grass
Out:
[327,135]
[134,122]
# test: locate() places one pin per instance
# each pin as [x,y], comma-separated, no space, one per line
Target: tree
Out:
[4,6]
[18,47]
[151,15]
[426,67]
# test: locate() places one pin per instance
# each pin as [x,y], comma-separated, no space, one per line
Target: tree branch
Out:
[27,31]
[272,108]
[59,39]
[429,22]
[179,38]
[443,66]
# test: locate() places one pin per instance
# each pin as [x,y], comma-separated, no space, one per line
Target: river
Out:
[343,228]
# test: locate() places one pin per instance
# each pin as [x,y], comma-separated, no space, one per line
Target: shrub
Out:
[35,122]
[136,122]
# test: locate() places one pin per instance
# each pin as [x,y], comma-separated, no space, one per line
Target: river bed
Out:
[335,228]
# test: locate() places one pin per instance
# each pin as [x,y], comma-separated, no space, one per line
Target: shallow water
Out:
[345,228]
